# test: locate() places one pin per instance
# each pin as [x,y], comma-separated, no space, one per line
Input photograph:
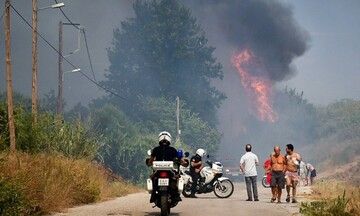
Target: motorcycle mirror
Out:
[207,156]
[149,152]
[187,154]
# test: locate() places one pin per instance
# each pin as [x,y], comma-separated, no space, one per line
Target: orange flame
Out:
[259,89]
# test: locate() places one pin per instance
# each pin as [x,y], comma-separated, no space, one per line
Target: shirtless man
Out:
[291,175]
[278,167]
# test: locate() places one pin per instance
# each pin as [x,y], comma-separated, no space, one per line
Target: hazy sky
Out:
[329,69]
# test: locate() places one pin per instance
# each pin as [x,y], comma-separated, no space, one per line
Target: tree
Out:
[158,114]
[125,148]
[341,118]
[163,52]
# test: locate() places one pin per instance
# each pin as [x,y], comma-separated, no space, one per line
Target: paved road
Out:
[207,204]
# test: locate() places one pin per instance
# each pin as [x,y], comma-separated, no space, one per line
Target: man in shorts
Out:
[278,167]
[291,175]
[311,169]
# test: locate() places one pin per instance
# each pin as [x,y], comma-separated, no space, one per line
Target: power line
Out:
[2,15]
[87,49]
[67,17]
[48,43]
[86,43]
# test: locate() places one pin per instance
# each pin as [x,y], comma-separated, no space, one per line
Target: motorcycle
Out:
[265,182]
[211,181]
[165,184]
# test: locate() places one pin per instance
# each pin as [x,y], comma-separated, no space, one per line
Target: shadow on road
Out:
[158,213]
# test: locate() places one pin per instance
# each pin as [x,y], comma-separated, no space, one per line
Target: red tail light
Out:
[163,175]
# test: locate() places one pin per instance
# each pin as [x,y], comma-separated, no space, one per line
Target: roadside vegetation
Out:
[38,184]
[333,198]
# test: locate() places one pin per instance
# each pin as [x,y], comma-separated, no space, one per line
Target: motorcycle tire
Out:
[264,182]
[187,190]
[224,189]
[165,207]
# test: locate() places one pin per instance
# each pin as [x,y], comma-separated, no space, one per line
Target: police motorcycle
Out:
[165,183]
[211,181]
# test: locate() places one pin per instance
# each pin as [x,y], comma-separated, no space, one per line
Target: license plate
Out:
[163,182]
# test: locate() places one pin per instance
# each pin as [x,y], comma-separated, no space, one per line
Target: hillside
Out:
[348,172]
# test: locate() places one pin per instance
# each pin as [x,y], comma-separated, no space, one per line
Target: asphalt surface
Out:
[207,204]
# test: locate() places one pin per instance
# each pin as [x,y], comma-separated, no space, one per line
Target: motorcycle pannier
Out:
[149,185]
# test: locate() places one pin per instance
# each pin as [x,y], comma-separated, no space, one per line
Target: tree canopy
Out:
[162,51]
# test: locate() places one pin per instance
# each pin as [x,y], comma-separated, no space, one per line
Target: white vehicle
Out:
[165,184]
[211,180]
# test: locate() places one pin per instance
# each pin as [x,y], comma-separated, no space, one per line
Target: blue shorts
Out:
[313,174]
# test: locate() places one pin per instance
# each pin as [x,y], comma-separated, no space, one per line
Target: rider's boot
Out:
[177,197]
[153,197]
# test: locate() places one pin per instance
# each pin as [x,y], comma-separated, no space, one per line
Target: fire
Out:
[258,88]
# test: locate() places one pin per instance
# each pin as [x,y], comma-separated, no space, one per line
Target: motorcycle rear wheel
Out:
[224,189]
[165,207]
[264,182]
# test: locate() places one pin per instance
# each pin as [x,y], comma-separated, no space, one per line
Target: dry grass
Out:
[51,183]
[332,189]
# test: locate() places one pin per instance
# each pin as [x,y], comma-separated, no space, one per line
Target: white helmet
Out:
[201,152]
[164,137]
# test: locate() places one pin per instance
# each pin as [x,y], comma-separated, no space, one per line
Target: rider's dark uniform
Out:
[195,176]
[164,153]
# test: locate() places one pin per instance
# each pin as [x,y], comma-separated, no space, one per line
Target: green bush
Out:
[12,200]
[329,207]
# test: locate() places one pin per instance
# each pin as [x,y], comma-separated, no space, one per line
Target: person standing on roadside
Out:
[302,172]
[278,168]
[291,175]
[248,163]
[311,169]
[267,170]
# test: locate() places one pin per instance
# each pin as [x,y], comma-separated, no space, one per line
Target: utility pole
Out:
[9,78]
[34,104]
[59,110]
[178,120]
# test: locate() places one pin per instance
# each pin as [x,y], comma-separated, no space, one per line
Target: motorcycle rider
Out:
[195,166]
[164,152]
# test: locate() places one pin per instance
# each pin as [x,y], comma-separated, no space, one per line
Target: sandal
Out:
[279,201]
[272,200]
[294,201]
[288,198]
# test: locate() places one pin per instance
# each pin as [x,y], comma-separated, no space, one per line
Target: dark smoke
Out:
[267,28]
[270,31]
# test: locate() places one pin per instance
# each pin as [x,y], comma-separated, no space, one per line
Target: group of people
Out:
[284,169]
[306,172]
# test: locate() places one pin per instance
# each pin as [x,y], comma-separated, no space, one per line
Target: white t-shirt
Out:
[303,168]
[249,161]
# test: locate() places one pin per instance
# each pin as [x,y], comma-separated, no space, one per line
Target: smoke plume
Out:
[268,28]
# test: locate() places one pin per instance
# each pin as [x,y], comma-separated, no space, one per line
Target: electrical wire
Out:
[73,24]
[2,15]
[86,43]
[87,50]
[48,43]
